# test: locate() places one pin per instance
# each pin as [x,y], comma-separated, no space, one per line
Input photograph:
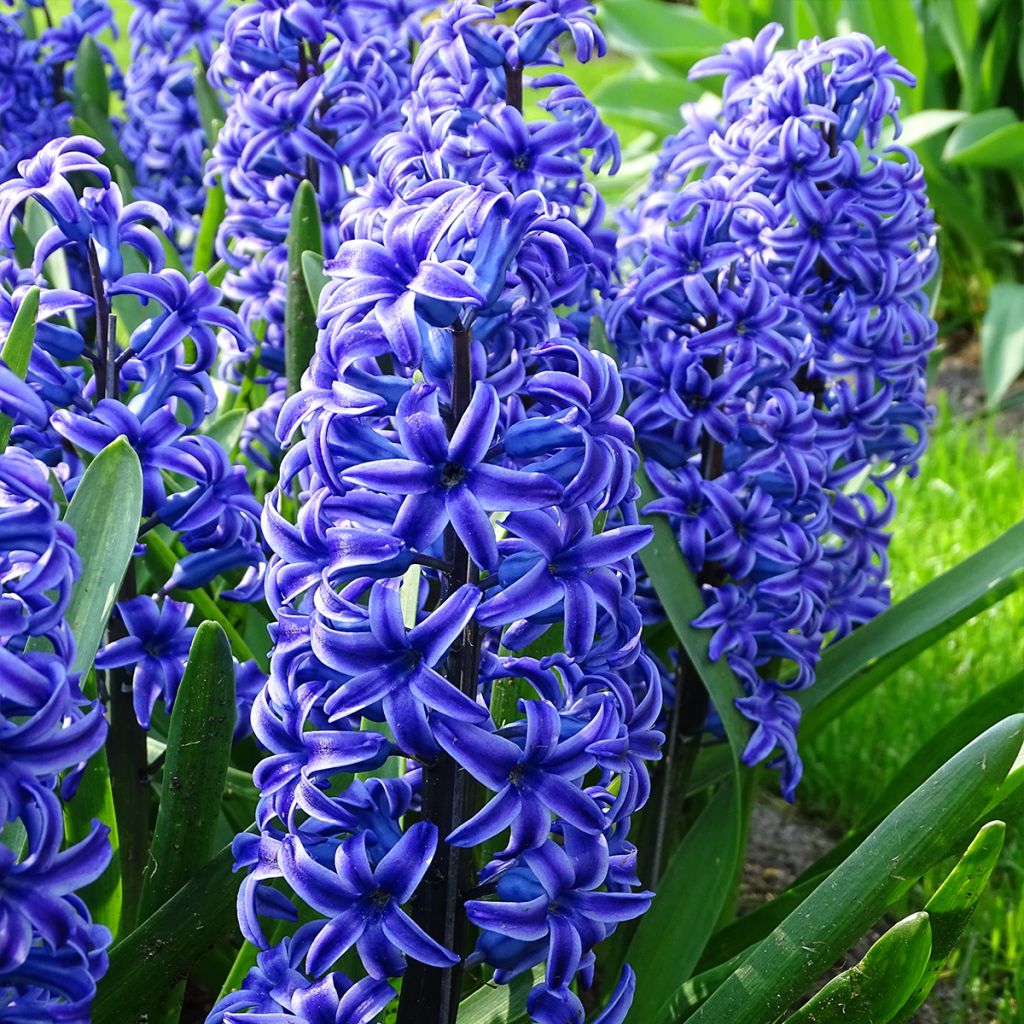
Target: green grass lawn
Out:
[971,488]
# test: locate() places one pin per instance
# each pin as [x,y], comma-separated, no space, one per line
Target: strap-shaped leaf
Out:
[857,664]
[698,990]
[305,235]
[226,429]
[97,126]
[313,272]
[667,33]
[740,935]
[91,109]
[500,1004]
[995,705]
[873,991]
[213,213]
[914,837]
[720,832]
[91,87]
[105,513]
[953,906]
[148,963]
[211,110]
[1002,339]
[681,598]
[673,933]
[18,348]
[195,769]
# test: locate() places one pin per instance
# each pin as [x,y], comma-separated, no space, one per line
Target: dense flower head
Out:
[51,954]
[311,87]
[148,336]
[162,133]
[775,328]
[455,504]
[36,75]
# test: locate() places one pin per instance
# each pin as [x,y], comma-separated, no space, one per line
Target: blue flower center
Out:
[380,898]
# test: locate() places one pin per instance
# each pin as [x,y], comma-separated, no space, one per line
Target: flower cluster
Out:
[456,503]
[125,353]
[51,954]
[775,329]
[162,134]
[35,80]
[311,87]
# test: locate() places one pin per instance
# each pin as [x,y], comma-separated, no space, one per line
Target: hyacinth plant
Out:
[409,560]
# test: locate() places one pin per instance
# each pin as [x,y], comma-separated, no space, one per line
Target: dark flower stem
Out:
[129,774]
[690,708]
[103,354]
[430,995]
[514,87]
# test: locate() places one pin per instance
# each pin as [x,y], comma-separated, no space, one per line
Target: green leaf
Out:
[859,662]
[18,348]
[952,907]
[91,88]
[895,25]
[874,990]
[500,1004]
[681,598]
[698,990]
[1002,340]
[741,934]
[195,770]
[304,235]
[673,933]
[226,429]
[410,595]
[313,273]
[958,22]
[28,20]
[926,124]
[216,274]
[211,110]
[993,138]
[650,101]
[245,961]
[97,126]
[992,707]
[672,34]
[172,258]
[104,513]
[854,896]
[194,775]
[209,224]
[147,964]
